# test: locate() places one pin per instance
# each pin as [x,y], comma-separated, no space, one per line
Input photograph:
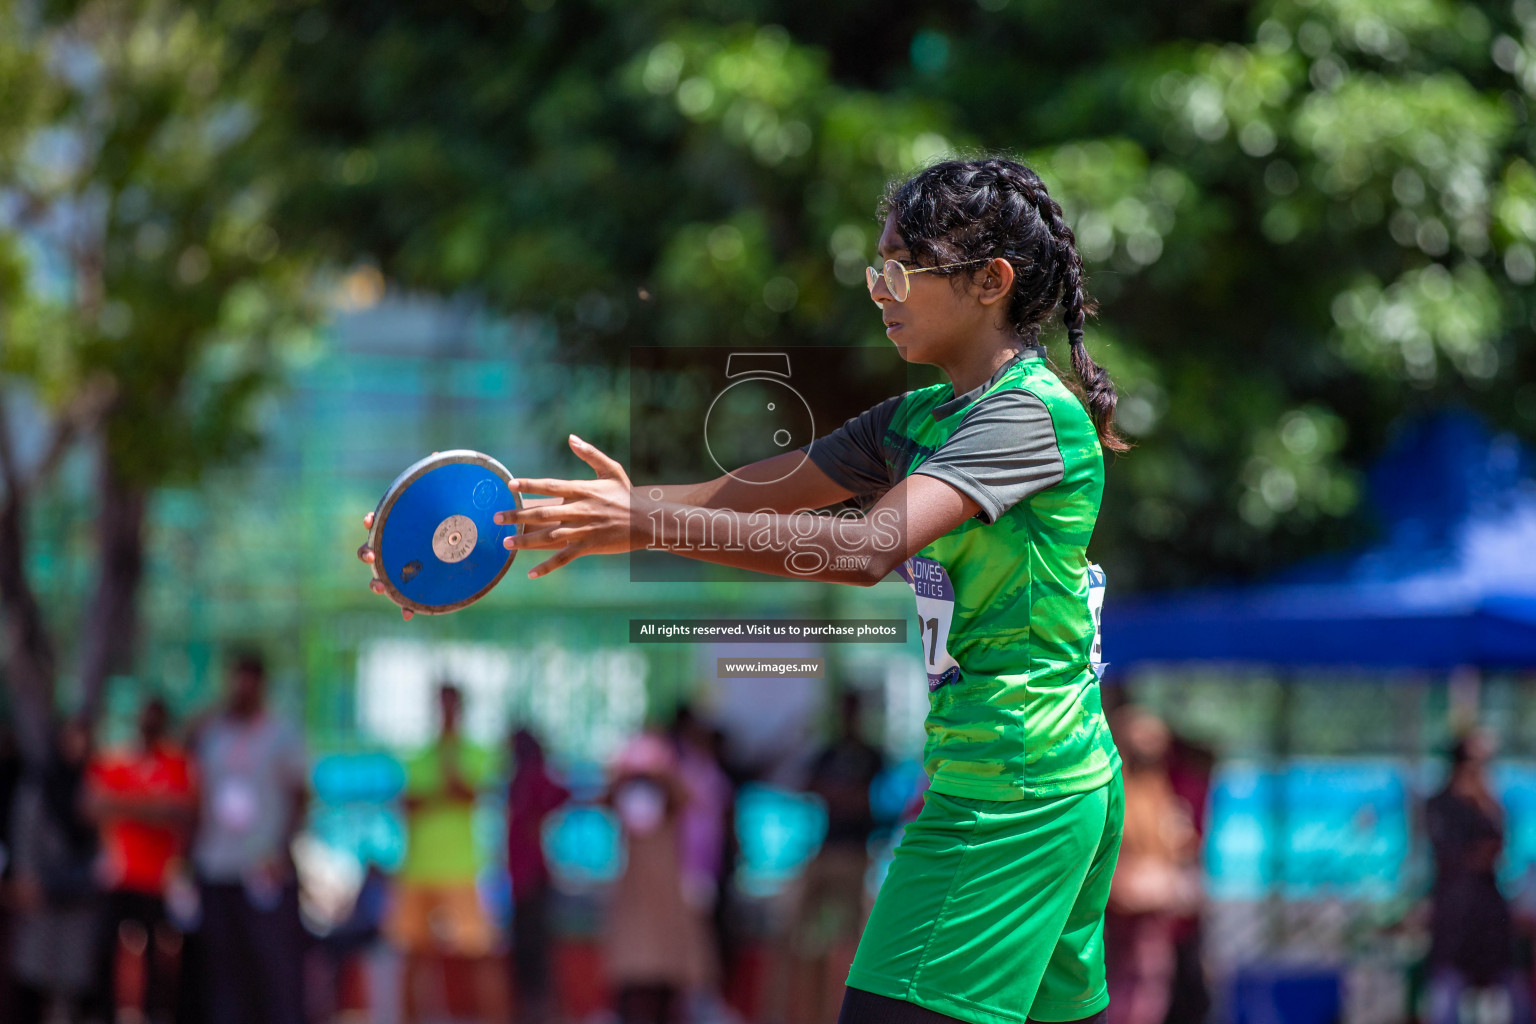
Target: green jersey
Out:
[440,846]
[1007,601]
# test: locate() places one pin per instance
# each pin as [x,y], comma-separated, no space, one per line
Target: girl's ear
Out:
[994,281]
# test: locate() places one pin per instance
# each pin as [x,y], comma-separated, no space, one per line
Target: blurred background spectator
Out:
[706,820]
[532,796]
[1156,881]
[1190,769]
[253,789]
[346,971]
[655,946]
[832,899]
[1471,954]
[142,797]
[437,915]
[10,781]
[55,889]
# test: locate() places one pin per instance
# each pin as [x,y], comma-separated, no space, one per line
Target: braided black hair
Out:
[968,210]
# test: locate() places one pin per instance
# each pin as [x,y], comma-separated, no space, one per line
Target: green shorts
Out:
[993,911]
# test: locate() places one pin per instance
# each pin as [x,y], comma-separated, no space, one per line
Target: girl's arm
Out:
[608,516]
[785,483]
[855,550]
[763,519]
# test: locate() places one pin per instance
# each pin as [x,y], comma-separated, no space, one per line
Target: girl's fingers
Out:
[366,554]
[522,515]
[572,513]
[406,614]
[545,538]
[368,521]
[377,586]
[605,467]
[565,556]
[557,488]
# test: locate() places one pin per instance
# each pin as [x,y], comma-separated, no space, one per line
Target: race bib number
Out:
[935,612]
[1096,582]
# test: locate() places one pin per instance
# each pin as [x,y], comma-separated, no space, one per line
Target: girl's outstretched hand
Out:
[591,517]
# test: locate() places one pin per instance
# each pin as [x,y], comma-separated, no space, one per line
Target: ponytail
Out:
[1098,391]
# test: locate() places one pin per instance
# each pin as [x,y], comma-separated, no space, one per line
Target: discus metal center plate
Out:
[454,538]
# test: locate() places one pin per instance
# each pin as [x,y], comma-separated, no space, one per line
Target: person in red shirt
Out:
[143,799]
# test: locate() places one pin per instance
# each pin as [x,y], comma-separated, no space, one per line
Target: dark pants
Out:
[530,954]
[646,1004]
[28,1005]
[253,955]
[146,912]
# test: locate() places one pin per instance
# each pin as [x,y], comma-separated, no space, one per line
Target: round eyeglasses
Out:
[896,275]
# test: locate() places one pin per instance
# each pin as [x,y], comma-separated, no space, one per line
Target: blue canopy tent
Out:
[1449,588]
[1452,584]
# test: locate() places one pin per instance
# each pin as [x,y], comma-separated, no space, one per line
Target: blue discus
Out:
[436,544]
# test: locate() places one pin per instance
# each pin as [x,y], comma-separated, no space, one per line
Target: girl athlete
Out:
[988,488]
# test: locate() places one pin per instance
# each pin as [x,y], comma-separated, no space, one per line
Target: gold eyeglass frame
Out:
[871,275]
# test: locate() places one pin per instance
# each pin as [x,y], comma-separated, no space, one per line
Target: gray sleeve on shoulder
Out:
[1003,452]
[854,453]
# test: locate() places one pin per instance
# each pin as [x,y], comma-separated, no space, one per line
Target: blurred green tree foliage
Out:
[144,293]
[1304,218]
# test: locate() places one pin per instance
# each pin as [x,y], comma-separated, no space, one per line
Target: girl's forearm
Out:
[699,495]
[785,484]
[849,549]
[709,494]
[727,493]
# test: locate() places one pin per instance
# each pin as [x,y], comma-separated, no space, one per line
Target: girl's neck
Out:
[974,365]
